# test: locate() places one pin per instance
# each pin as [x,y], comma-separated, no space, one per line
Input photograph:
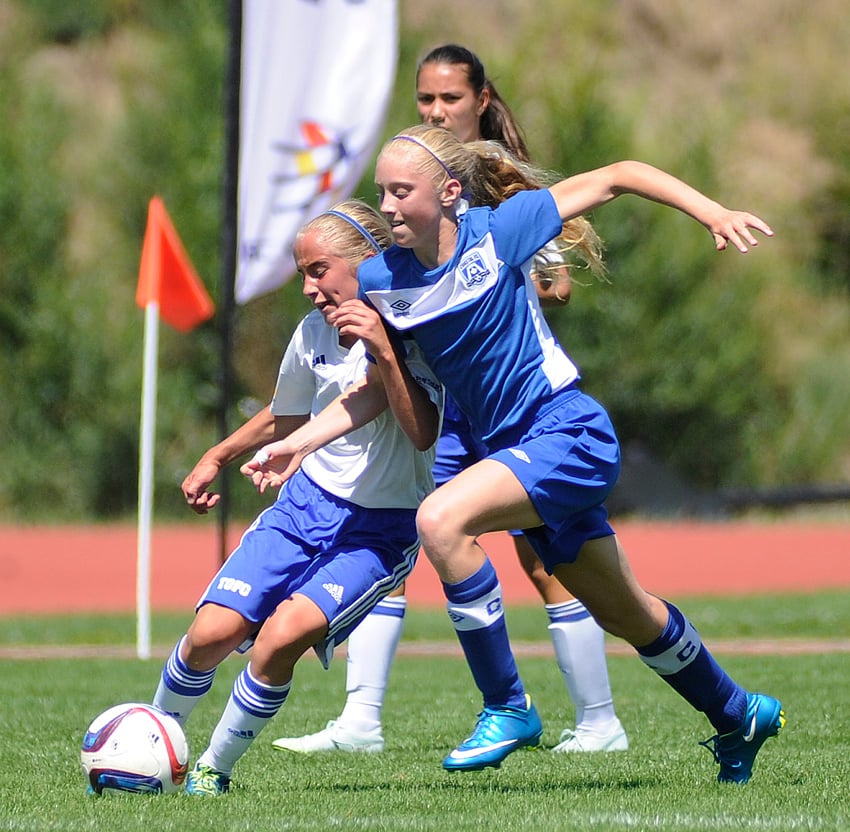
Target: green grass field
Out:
[665,781]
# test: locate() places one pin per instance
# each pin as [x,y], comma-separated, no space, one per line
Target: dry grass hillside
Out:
[764,84]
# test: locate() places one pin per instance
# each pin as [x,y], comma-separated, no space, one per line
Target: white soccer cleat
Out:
[577,741]
[333,738]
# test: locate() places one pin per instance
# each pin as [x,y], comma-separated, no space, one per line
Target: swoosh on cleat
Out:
[469,753]
[748,737]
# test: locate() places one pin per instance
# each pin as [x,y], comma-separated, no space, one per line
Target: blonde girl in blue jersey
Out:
[341,534]
[457,281]
[453,92]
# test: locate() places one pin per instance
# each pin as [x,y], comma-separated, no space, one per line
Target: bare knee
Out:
[437,526]
[214,634]
[296,625]
[275,654]
[452,551]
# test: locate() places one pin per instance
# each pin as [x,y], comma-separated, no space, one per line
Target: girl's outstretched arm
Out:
[276,462]
[586,191]
[259,430]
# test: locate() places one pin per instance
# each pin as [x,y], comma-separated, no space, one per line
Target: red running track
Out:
[93,568]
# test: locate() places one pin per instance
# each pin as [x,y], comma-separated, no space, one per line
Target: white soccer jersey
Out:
[477,317]
[375,466]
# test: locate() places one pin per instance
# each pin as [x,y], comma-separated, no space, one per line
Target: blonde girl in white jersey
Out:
[341,533]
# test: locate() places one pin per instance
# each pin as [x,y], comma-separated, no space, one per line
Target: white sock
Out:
[250,707]
[580,651]
[371,649]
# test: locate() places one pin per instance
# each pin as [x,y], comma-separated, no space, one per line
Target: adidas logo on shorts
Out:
[335,591]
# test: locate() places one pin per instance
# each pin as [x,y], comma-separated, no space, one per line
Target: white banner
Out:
[316,82]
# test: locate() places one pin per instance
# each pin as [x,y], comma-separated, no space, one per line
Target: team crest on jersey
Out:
[473,270]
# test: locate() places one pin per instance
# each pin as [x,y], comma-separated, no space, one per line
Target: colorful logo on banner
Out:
[320,162]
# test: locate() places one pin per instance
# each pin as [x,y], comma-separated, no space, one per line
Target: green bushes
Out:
[731,369]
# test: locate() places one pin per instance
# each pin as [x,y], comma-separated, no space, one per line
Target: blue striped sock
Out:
[180,687]
[250,707]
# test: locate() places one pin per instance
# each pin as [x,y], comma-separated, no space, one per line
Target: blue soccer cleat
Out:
[736,751]
[499,732]
[206,782]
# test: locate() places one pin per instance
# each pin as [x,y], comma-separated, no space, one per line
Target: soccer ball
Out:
[135,748]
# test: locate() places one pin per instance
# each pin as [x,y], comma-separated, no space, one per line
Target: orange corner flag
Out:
[166,274]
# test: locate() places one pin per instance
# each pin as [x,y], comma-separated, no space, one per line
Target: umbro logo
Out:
[335,591]
[520,455]
[400,306]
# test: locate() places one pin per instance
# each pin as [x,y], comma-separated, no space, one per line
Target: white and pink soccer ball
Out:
[135,748]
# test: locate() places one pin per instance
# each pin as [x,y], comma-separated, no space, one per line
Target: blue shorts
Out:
[457,448]
[343,557]
[568,460]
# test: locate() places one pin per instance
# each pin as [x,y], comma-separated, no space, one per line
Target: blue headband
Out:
[428,149]
[353,222]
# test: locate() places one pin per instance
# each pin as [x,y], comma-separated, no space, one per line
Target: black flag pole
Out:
[228,248]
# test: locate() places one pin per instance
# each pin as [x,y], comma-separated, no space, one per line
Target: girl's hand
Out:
[354,317]
[271,466]
[554,287]
[196,486]
[734,227]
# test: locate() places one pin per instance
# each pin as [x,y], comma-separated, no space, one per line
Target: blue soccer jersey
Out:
[477,318]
